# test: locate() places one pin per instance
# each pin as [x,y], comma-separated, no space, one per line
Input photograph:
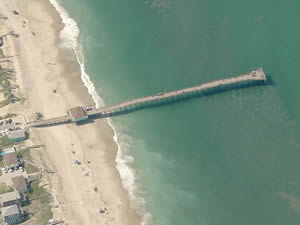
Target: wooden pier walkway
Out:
[49,122]
[253,78]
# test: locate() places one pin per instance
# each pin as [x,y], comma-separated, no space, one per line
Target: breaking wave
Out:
[69,37]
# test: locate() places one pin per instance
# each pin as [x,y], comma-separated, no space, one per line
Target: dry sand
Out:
[42,67]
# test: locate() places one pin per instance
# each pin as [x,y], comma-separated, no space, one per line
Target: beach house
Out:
[77,114]
[10,160]
[8,150]
[10,198]
[11,214]
[17,135]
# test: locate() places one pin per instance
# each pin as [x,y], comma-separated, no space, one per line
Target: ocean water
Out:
[230,158]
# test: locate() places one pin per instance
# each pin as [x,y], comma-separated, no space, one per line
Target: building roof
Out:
[10,159]
[7,151]
[77,112]
[16,134]
[10,210]
[19,183]
[10,196]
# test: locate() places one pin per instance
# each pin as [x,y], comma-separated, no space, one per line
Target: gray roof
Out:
[19,183]
[7,151]
[77,112]
[10,210]
[10,196]
[10,159]
[17,134]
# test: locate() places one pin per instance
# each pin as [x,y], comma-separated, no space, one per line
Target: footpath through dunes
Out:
[255,77]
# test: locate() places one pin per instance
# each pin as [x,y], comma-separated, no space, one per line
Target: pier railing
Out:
[253,78]
[49,122]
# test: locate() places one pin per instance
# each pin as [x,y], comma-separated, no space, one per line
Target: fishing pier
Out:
[77,114]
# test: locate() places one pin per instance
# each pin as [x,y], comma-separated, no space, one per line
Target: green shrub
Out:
[39,115]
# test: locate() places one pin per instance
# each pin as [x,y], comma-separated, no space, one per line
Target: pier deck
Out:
[255,76]
[49,122]
[252,78]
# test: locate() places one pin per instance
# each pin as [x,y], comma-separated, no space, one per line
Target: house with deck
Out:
[10,160]
[11,214]
[17,135]
[78,114]
[7,150]
[10,198]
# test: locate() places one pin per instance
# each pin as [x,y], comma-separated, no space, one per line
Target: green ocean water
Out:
[226,159]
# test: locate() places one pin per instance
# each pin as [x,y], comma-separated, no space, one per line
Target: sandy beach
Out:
[42,67]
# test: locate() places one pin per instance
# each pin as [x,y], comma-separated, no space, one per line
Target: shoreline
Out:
[71,33]
[93,142]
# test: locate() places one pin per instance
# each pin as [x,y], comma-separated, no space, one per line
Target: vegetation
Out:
[4,188]
[38,201]
[1,53]
[6,75]
[39,115]
[30,168]
[25,154]
[34,177]
[8,115]
[4,141]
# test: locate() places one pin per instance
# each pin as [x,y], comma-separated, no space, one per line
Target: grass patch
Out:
[30,168]
[40,205]
[39,115]
[25,154]
[35,190]
[1,54]
[5,102]
[34,177]
[4,141]
[8,115]
[4,188]
[5,76]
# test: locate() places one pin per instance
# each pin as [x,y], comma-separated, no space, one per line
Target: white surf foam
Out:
[128,177]
[70,39]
